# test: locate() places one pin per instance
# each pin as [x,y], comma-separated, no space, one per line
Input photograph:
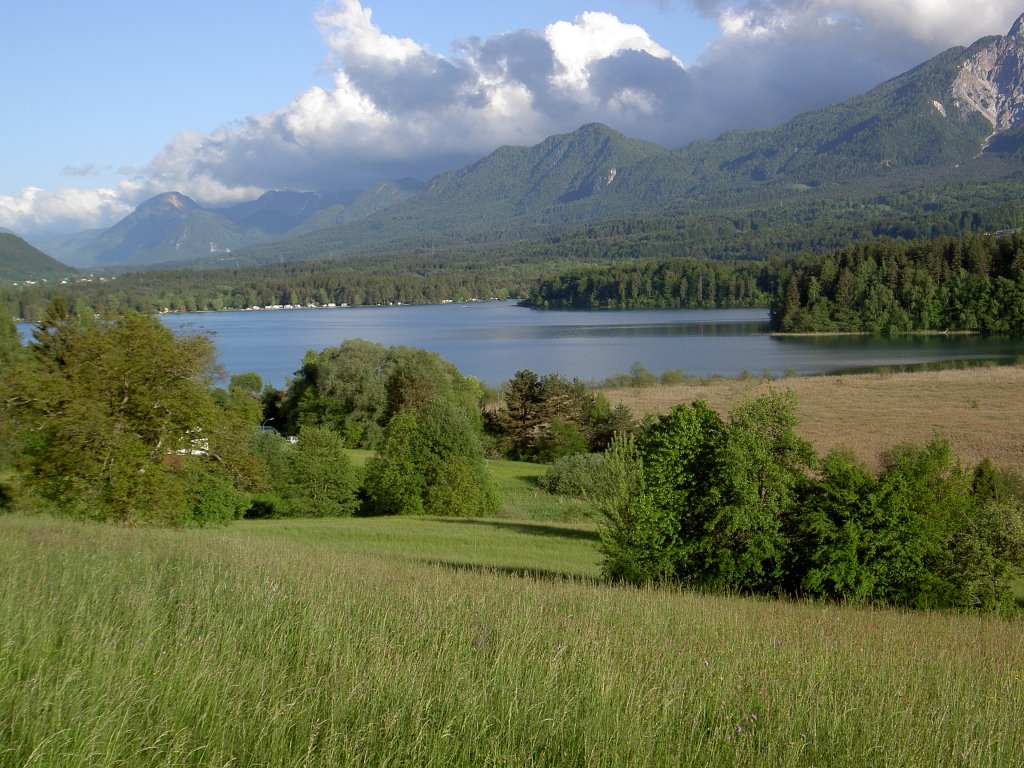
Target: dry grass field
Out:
[979,410]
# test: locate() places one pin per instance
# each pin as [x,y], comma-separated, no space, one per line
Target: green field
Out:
[421,642]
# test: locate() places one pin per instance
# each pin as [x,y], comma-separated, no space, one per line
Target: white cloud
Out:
[35,209]
[594,36]
[396,109]
[941,23]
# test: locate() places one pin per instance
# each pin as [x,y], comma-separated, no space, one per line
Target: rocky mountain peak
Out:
[991,82]
[1017,30]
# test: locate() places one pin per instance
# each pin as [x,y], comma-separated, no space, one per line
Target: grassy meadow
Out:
[979,410]
[427,642]
[452,642]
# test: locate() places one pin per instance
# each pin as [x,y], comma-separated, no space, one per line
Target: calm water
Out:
[493,340]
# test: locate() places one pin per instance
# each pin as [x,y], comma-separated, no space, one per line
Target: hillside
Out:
[20,261]
[443,642]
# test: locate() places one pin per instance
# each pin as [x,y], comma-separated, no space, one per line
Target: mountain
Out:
[278,211]
[20,261]
[172,227]
[155,231]
[954,121]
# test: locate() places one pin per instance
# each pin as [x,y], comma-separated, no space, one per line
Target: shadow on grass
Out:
[540,574]
[533,529]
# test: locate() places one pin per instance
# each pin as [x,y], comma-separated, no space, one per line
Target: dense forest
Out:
[674,284]
[970,284]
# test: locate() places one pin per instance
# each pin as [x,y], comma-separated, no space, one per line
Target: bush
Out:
[432,462]
[214,499]
[575,475]
[563,438]
[320,480]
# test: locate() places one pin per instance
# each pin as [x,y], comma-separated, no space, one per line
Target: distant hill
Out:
[20,261]
[956,122]
[172,227]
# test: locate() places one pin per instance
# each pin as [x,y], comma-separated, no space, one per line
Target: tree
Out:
[394,479]
[11,348]
[319,480]
[638,539]
[682,459]
[109,411]
[12,354]
[763,462]
[357,387]
[432,462]
[715,496]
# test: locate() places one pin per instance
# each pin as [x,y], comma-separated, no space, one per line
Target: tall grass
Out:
[359,642]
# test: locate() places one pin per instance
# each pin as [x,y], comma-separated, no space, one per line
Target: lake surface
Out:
[493,340]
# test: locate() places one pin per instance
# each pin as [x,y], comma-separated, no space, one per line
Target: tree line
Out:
[973,283]
[966,284]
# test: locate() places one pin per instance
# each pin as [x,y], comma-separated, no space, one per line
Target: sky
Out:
[110,102]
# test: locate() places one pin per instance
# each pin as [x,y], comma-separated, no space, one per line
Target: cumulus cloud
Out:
[69,208]
[396,109]
[938,22]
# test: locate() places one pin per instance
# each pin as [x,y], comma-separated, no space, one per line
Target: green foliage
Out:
[432,462]
[674,284]
[836,532]
[563,438]
[763,462]
[545,417]
[638,538]
[578,474]
[973,283]
[742,505]
[11,348]
[682,459]
[394,479]
[103,410]
[358,386]
[319,479]
[451,459]
[212,497]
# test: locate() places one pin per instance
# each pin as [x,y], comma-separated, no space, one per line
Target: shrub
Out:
[576,475]
[320,480]
[563,438]
[432,462]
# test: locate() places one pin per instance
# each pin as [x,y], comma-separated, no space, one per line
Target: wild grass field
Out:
[448,642]
[979,410]
[388,642]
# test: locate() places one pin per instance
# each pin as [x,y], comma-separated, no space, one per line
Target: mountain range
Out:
[955,119]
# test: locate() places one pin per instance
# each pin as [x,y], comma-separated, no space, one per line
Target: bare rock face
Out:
[992,81]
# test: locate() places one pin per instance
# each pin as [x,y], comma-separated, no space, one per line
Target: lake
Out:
[493,340]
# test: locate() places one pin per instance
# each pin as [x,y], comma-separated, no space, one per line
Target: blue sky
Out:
[112,101]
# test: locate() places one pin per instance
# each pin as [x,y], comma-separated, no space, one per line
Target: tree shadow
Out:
[532,529]
[540,574]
